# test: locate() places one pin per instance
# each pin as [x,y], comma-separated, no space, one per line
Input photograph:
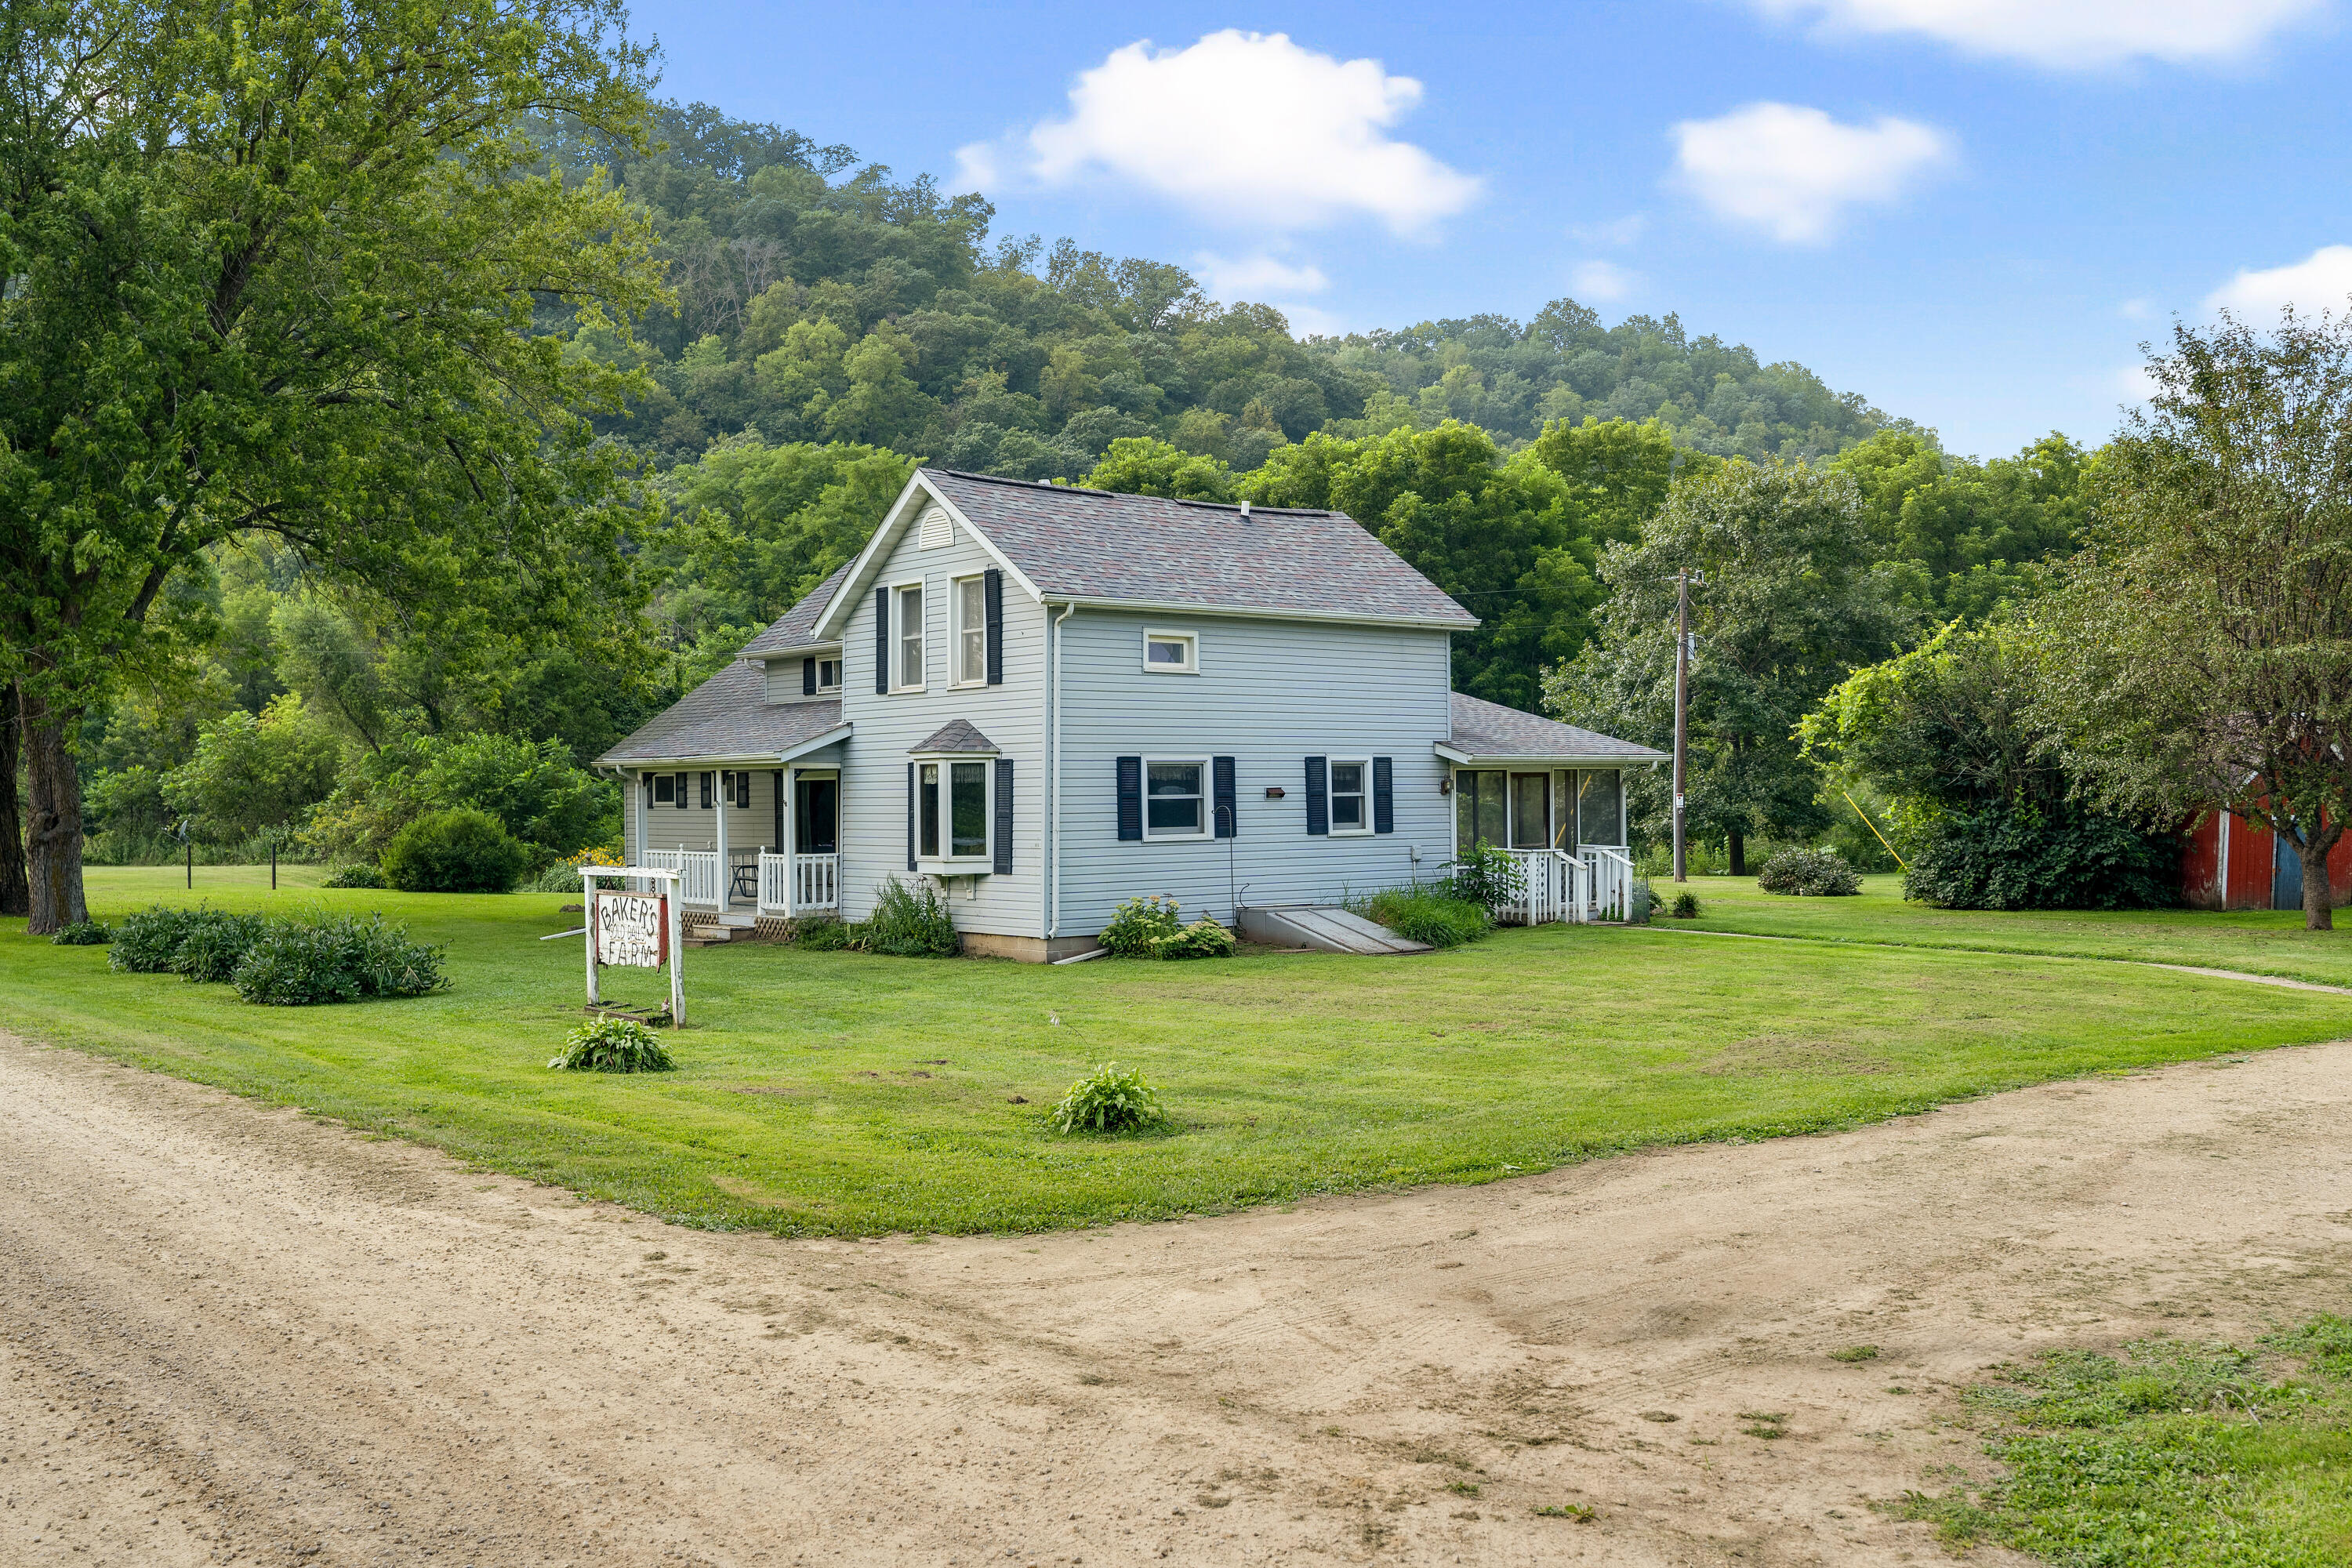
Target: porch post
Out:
[791,838]
[719,801]
[635,854]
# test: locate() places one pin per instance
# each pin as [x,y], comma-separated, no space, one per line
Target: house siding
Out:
[668,828]
[1269,694]
[1011,714]
[783,681]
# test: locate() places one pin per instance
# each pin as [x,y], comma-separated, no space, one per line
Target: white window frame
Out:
[823,685]
[946,863]
[922,636]
[1208,788]
[1332,766]
[959,631]
[1192,641]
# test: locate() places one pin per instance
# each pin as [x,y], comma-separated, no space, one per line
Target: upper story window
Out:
[1175,801]
[828,675]
[1352,794]
[1171,653]
[908,648]
[969,597]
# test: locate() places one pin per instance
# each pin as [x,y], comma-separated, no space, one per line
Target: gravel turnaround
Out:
[235,1333]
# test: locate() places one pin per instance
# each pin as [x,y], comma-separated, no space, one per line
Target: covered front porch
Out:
[749,843]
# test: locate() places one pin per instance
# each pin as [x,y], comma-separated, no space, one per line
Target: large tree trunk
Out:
[16,896]
[1738,853]
[2318,898]
[53,841]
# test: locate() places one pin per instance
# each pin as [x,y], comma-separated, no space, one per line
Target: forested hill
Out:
[817,300]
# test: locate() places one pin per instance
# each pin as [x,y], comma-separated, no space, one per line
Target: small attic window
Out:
[934,529]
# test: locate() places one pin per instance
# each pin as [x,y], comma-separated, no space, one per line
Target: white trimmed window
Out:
[1171,653]
[1352,794]
[906,655]
[969,597]
[828,675]
[953,807]
[1175,797]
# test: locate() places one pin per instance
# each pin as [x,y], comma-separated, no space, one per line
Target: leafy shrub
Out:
[1488,878]
[1110,1101]
[358,874]
[822,935]
[1429,915]
[146,942]
[82,933]
[1136,925]
[304,963]
[1686,906]
[2063,858]
[1204,938]
[213,943]
[1814,873]
[459,851]
[563,877]
[607,1044]
[909,922]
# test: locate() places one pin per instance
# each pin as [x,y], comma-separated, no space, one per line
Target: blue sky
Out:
[1971,211]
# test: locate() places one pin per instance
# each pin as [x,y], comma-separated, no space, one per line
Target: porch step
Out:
[1326,928]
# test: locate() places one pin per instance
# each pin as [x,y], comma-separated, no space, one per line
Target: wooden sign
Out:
[632,929]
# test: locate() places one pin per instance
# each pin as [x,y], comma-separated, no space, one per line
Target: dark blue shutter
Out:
[1131,797]
[992,592]
[808,678]
[881,642]
[1319,796]
[706,780]
[1003,845]
[911,816]
[1383,795]
[1227,818]
[680,796]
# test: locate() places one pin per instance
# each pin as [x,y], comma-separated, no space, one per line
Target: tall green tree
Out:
[1791,604]
[2200,654]
[281,269]
[1504,538]
[1969,537]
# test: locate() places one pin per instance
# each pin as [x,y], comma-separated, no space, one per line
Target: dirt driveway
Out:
[238,1334]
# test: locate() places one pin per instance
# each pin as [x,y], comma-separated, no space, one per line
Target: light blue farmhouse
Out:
[1051,699]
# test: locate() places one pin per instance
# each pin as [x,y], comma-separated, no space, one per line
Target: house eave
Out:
[1331,617]
[738,759]
[1461,758]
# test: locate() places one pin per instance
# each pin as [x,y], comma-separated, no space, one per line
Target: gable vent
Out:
[934,530]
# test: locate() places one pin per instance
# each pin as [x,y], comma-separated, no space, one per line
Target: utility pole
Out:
[1682,580]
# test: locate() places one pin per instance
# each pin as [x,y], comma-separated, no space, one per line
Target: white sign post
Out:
[635,930]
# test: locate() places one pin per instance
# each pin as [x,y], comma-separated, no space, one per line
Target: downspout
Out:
[1053,785]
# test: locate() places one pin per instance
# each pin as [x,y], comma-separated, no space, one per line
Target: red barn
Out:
[2228,863]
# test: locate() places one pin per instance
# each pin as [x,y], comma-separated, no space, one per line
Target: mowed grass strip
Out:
[848,1094]
[2258,941]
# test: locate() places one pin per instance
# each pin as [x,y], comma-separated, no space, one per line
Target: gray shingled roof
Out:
[793,630]
[1485,729]
[955,735]
[1092,544]
[728,715]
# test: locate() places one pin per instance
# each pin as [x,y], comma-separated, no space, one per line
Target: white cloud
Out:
[1247,127]
[2066,33]
[2138,310]
[1600,282]
[1309,321]
[1258,277]
[1619,231]
[2320,282]
[2132,384]
[1793,172]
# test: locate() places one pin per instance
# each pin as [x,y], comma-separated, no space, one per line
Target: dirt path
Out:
[237,1334]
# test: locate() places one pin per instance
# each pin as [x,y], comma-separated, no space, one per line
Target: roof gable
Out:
[1064,543]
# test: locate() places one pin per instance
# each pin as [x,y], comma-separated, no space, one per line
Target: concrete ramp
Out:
[1324,927]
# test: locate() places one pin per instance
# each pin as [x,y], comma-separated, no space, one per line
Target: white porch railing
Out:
[1612,881]
[816,881]
[658,860]
[1553,885]
[775,884]
[698,873]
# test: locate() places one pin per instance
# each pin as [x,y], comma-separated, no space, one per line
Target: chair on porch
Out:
[743,873]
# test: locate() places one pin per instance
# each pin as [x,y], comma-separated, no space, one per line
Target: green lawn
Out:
[845,1093]
[2260,942]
